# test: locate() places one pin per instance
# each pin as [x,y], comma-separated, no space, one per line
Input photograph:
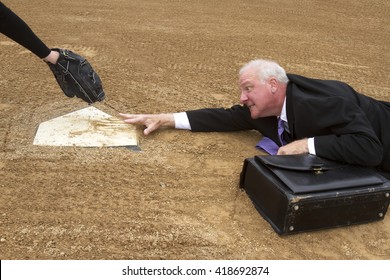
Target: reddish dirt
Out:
[179,197]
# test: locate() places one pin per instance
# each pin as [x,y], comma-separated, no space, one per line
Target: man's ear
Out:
[274,84]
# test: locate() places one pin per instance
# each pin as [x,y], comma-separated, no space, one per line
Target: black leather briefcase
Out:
[300,193]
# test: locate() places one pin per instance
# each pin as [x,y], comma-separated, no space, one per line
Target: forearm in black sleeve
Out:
[220,119]
[357,149]
[16,29]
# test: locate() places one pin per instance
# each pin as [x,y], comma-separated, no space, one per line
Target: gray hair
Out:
[266,69]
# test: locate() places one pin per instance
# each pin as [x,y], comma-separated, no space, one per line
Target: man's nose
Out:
[243,97]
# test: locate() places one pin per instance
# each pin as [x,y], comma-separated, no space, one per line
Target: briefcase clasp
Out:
[318,168]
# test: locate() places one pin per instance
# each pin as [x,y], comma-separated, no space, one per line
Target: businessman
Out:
[296,115]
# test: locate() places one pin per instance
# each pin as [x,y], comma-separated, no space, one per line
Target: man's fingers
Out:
[151,121]
[148,130]
[146,120]
[134,119]
[294,148]
[281,151]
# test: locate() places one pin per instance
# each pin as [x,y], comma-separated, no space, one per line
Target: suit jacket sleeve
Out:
[220,119]
[235,118]
[341,131]
[340,119]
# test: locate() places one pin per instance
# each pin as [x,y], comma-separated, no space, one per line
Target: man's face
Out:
[256,95]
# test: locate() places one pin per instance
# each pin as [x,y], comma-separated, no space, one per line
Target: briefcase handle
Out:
[299,162]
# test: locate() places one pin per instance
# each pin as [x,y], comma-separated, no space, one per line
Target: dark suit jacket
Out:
[346,125]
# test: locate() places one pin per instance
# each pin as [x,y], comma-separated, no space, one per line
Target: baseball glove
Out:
[76,77]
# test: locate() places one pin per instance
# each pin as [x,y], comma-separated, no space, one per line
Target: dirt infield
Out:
[179,197]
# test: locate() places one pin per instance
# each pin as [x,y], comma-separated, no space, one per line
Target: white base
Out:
[88,127]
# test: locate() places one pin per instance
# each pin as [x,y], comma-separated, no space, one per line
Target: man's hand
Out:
[293,148]
[151,121]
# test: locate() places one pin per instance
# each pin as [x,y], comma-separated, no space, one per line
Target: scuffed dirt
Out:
[179,197]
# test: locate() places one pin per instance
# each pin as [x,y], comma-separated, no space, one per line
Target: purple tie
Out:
[270,146]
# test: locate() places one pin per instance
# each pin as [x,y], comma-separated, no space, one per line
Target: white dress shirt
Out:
[310,141]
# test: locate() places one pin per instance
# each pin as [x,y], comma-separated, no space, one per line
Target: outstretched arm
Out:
[16,29]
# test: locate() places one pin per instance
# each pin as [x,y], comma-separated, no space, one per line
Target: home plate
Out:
[88,127]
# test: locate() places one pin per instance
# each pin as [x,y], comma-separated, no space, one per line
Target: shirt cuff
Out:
[181,121]
[310,144]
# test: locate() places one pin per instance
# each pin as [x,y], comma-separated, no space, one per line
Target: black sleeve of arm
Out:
[236,118]
[360,149]
[16,29]
[219,119]
[351,138]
